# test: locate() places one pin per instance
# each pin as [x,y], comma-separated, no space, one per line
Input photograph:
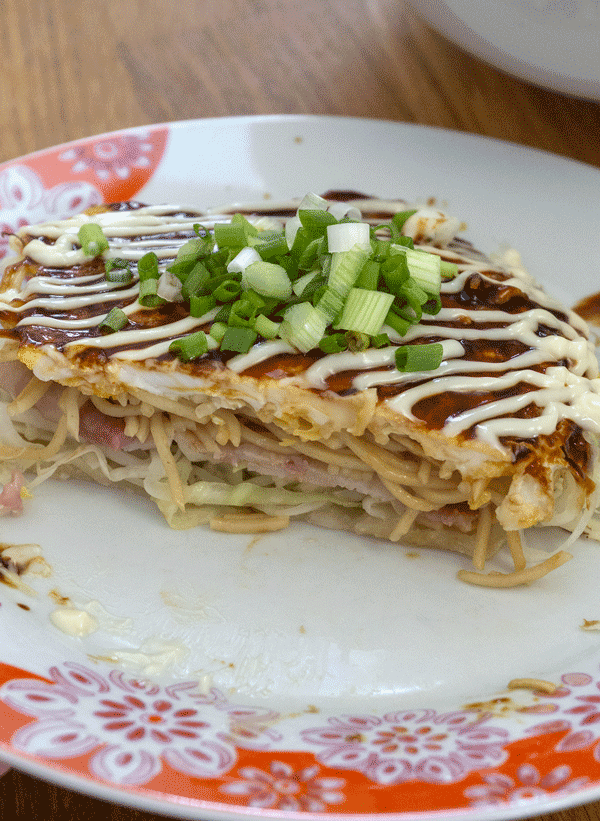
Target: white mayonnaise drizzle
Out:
[570,391]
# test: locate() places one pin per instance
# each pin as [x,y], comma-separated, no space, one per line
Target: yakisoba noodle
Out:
[499,437]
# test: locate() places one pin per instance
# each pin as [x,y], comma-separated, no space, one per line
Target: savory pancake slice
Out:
[347,361]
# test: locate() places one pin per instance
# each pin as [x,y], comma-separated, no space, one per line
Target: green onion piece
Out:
[238,339]
[316,221]
[117,270]
[357,341]
[242,313]
[196,281]
[228,290]
[249,229]
[345,269]
[344,236]
[92,239]
[397,323]
[380,341]
[448,270]
[148,266]
[301,283]
[365,311]
[414,298]
[303,326]
[419,357]
[190,347]
[423,267]
[148,296]
[230,235]
[395,272]
[223,314]
[266,327]
[217,330]
[334,343]
[433,306]
[268,279]
[115,320]
[309,256]
[200,305]
[400,218]
[202,232]
[270,244]
[330,303]
[369,275]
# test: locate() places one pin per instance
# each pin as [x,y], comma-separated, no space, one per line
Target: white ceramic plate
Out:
[553,43]
[302,672]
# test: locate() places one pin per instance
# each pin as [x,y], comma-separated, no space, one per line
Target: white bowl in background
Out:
[552,43]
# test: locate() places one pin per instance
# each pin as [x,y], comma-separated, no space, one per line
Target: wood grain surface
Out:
[70,70]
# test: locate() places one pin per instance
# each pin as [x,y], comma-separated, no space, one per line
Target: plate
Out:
[552,43]
[304,673]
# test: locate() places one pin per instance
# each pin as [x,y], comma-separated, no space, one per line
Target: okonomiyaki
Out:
[343,360]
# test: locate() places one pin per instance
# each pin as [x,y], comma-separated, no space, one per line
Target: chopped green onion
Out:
[148,266]
[249,229]
[410,300]
[238,339]
[400,218]
[448,270]
[200,305]
[268,279]
[301,283]
[395,272]
[230,235]
[228,290]
[419,357]
[243,259]
[365,311]
[309,256]
[148,296]
[369,275]
[345,235]
[92,239]
[334,343]
[357,341]
[270,244]
[423,267]
[330,303]
[313,202]
[380,341]
[316,221]
[345,269]
[397,323]
[115,320]
[266,327]
[117,270]
[217,330]
[190,347]
[303,326]
[196,281]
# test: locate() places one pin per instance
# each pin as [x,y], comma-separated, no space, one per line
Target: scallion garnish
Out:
[117,270]
[92,239]
[190,347]
[419,357]
[239,340]
[200,305]
[115,320]
[268,279]
[148,266]
[333,281]
[148,293]
[365,311]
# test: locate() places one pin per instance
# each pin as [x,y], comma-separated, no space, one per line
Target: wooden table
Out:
[71,70]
